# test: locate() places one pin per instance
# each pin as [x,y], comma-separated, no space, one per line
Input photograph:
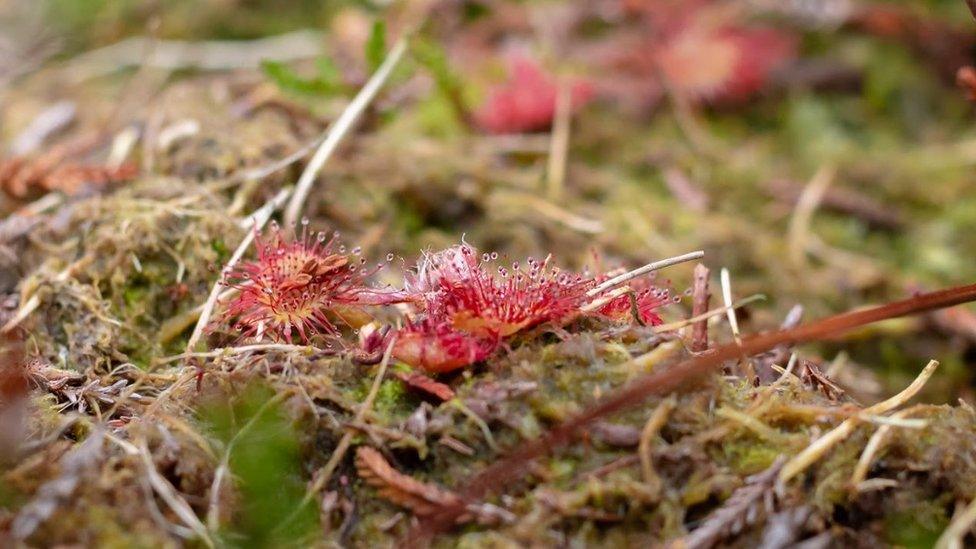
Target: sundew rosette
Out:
[465,305]
[435,346]
[301,286]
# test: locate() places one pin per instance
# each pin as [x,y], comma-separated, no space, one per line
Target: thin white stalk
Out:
[261,216]
[340,128]
[961,524]
[559,142]
[678,324]
[729,309]
[874,445]
[818,448]
[786,373]
[604,299]
[806,206]
[641,271]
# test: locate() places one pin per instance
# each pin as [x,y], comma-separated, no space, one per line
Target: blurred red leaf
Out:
[527,101]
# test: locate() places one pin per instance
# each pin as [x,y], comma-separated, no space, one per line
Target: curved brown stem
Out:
[510,468]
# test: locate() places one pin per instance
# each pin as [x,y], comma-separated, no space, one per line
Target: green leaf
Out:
[328,71]
[376,45]
[288,80]
[432,57]
[265,460]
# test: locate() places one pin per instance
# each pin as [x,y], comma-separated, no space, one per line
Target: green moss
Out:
[918,526]
[10,499]
[748,456]
[392,399]
[697,490]
[220,247]
[107,531]
[562,469]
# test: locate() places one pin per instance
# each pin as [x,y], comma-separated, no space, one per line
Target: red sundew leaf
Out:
[641,303]
[466,308]
[474,295]
[294,285]
[723,63]
[455,265]
[424,384]
[761,51]
[437,347]
[648,301]
[527,101]
[699,50]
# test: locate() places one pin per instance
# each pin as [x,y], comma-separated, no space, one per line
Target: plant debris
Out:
[422,499]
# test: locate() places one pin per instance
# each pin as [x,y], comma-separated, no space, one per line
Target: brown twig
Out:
[972,7]
[700,296]
[746,505]
[504,471]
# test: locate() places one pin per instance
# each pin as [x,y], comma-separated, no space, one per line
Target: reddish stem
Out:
[508,469]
